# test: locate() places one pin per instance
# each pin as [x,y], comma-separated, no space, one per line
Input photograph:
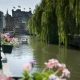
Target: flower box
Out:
[7,42]
[7,48]
[8,39]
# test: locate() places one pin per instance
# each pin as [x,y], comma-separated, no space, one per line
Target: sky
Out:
[9,4]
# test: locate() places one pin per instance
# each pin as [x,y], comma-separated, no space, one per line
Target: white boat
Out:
[24,40]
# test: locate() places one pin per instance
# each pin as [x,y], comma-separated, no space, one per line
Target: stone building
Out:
[1,21]
[4,22]
[21,19]
[21,15]
[10,22]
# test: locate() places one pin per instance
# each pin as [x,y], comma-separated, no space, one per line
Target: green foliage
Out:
[42,76]
[37,76]
[25,75]
[54,20]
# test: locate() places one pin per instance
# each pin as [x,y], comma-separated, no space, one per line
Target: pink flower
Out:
[52,63]
[15,39]
[8,78]
[66,73]
[4,77]
[61,67]
[9,39]
[10,36]
[27,67]
[49,65]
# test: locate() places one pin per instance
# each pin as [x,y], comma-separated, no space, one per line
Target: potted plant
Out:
[7,42]
[53,71]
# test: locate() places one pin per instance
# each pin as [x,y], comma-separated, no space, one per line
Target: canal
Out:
[41,52]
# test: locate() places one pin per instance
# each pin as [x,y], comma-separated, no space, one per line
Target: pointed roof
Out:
[7,13]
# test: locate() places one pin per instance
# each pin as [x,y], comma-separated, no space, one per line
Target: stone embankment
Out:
[5,66]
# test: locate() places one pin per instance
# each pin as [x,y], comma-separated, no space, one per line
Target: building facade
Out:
[10,23]
[21,18]
[4,22]
[21,15]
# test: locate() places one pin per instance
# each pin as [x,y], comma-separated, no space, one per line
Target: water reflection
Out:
[41,52]
[62,54]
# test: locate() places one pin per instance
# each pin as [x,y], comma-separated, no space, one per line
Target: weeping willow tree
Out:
[34,24]
[68,16]
[55,20]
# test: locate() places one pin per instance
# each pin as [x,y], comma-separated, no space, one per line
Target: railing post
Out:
[0,53]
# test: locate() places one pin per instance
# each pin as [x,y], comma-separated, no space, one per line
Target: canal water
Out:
[41,52]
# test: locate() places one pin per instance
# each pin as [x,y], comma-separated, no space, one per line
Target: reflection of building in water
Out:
[21,19]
